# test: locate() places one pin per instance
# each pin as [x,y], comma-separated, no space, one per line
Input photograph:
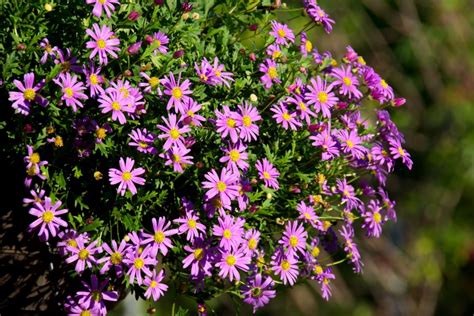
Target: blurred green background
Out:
[424,263]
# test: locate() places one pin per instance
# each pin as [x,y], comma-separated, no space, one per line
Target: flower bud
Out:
[149,39]
[253,27]
[185,16]
[133,16]
[186,6]
[48,7]
[195,16]
[98,175]
[159,2]
[178,54]
[252,57]
[134,48]
[398,102]
[20,47]
[128,73]
[253,98]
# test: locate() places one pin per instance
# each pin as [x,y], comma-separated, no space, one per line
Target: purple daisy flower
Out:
[47,216]
[82,255]
[397,151]
[225,185]
[294,238]
[373,219]
[303,109]
[306,46]
[221,76]
[351,143]
[327,144]
[104,42]
[321,96]
[36,197]
[103,5]
[205,72]
[28,93]
[68,238]
[285,266]
[94,295]
[269,68]
[142,140]
[49,51]
[324,277]
[246,119]
[126,176]
[177,156]
[115,102]
[231,261]
[318,15]
[347,81]
[154,286]
[94,80]
[230,230]
[191,107]
[274,51]
[200,258]
[307,214]
[252,237]
[152,84]
[114,258]
[282,33]
[33,161]
[283,117]
[67,61]
[236,157]
[350,247]
[226,124]
[178,92]
[348,195]
[258,291]
[173,132]
[190,226]
[160,240]
[139,261]
[160,40]
[72,90]
[268,173]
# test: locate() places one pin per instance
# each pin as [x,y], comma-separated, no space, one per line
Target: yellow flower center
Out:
[126,176]
[191,223]
[83,254]
[318,270]
[174,133]
[309,46]
[101,133]
[47,216]
[303,106]
[322,97]
[35,158]
[252,243]
[198,254]
[231,123]
[86,313]
[176,158]
[281,33]
[72,243]
[221,186]
[138,263]
[116,258]
[58,141]
[326,225]
[315,252]
[125,92]
[31,171]
[227,234]
[349,143]
[246,120]
[286,116]
[293,241]
[154,82]
[230,260]
[285,265]
[203,77]
[157,43]
[377,217]
[276,54]
[29,94]
[384,84]
[307,215]
[159,237]
[68,91]
[401,151]
[93,79]
[177,93]
[234,155]
[143,145]
[116,106]
[272,72]
[347,81]
[190,113]
[153,284]
[217,73]
[266,175]
[101,44]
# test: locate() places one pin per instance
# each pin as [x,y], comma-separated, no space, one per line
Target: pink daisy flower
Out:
[190,226]
[142,140]
[139,261]
[191,107]
[226,124]
[246,119]
[282,33]
[103,5]
[304,111]
[269,68]
[373,219]
[178,92]
[72,90]
[283,117]
[268,173]
[152,84]
[285,266]
[155,288]
[115,257]
[321,96]
[230,229]
[294,238]
[160,40]
[178,156]
[47,216]
[83,255]
[225,185]
[94,80]
[347,81]
[114,102]
[173,133]
[28,93]
[126,177]
[235,157]
[221,76]
[103,43]
[160,240]
[231,261]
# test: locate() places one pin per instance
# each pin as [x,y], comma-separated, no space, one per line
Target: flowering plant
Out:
[163,149]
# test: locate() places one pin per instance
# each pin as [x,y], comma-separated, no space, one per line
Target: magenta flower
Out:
[47,216]
[154,286]
[246,119]
[94,80]
[160,240]
[173,132]
[152,84]
[348,195]
[72,90]
[126,176]
[350,247]
[139,261]
[114,258]
[306,46]
[160,40]
[351,143]
[303,110]
[274,51]
[33,161]
[221,76]
[324,278]
[178,92]
[49,51]
[347,81]
[178,157]
[191,107]
[190,226]
[199,258]
[28,93]
[268,173]
[283,117]
[36,197]
[230,230]
[269,68]
[227,124]
[82,255]
[94,295]
[114,102]
[321,96]
[231,261]
[225,185]
[142,140]
[318,15]
[104,42]
[397,151]
[106,5]
[205,73]
[282,33]
[327,144]
[307,214]
[236,157]
[252,237]
[373,219]
[285,266]
[294,238]
[258,291]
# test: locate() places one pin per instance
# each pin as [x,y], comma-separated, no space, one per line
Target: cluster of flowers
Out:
[324,109]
